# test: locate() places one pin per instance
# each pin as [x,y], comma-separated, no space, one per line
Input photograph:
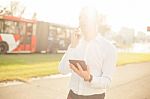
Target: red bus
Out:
[17,34]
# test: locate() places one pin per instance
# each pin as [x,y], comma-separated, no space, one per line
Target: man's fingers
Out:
[80,68]
[71,66]
[88,69]
[74,68]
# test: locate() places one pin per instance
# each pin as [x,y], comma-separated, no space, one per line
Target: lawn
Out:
[21,67]
[129,58]
[24,66]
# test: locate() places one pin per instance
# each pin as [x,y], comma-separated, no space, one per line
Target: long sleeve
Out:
[64,63]
[109,66]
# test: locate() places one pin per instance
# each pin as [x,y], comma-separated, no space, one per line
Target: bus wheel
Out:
[3,47]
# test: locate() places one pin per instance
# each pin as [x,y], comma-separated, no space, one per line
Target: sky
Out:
[119,13]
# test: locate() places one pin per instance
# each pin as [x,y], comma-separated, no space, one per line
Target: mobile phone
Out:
[81,62]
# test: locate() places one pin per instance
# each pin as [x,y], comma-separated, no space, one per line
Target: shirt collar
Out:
[97,37]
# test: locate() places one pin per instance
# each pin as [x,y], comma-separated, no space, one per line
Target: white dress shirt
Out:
[100,57]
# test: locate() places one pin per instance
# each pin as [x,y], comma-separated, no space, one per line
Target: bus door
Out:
[26,36]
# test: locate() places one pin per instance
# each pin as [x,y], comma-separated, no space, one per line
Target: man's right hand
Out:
[75,39]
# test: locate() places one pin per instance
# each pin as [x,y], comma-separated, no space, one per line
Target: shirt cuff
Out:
[100,82]
[94,79]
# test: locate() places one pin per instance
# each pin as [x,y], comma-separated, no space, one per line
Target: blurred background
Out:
[50,24]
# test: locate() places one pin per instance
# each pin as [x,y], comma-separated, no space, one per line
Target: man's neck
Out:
[90,37]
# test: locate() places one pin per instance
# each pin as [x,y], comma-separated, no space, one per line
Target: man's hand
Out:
[84,74]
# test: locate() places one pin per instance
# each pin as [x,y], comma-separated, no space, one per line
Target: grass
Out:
[24,66]
[129,58]
[20,67]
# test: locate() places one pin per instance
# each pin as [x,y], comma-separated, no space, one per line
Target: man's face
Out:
[87,21]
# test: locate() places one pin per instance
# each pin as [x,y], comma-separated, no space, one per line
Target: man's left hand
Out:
[84,74]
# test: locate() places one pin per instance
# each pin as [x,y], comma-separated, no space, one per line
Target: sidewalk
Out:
[129,82]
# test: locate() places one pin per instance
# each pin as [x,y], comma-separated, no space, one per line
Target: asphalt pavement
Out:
[129,82]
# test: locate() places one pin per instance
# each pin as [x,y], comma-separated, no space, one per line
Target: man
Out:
[99,55]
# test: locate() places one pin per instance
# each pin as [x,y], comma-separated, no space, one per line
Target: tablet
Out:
[81,62]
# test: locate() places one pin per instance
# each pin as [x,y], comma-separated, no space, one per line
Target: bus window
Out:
[9,27]
[22,28]
[29,28]
[16,24]
[1,26]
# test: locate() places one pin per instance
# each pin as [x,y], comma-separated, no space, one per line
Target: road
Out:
[129,82]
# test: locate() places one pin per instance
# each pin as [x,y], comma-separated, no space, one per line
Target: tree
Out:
[14,9]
